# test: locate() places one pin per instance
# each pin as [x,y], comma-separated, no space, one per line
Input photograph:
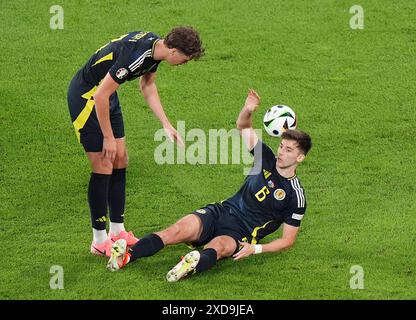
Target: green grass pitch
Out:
[353,91]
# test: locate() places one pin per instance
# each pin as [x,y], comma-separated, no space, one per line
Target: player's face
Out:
[177,57]
[289,154]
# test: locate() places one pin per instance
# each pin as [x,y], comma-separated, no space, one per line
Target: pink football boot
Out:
[102,249]
[128,236]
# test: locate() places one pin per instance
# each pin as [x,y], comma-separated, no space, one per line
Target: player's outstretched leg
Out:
[145,247]
[186,229]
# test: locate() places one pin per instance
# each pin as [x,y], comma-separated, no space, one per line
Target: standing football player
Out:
[96,115]
[269,198]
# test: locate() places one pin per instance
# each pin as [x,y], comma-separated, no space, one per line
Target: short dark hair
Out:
[303,139]
[187,40]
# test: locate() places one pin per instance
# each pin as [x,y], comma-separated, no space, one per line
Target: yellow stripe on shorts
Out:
[82,118]
[256,229]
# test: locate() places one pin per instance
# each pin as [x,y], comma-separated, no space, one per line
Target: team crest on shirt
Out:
[121,73]
[270,183]
[280,194]
[201,211]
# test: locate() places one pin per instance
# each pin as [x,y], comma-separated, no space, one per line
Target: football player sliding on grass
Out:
[271,195]
[96,115]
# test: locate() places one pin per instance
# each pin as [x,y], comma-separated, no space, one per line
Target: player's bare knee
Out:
[106,165]
[121,160]
[225,251]
[229,249]
[221,252]
[224,247]
[102,165]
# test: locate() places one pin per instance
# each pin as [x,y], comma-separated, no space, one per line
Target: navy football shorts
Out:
[217,220]
[84,118]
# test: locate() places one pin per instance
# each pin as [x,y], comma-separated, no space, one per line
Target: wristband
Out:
[258,248]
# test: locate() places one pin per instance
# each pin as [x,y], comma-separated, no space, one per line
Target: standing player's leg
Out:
[117,187]
[218,248]
[87,128]
[97,199]
[187,229]
[81,104]
[117,195]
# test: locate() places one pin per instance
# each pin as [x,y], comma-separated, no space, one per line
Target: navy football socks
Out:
[146,247]
[117,195]
[97,199]
[207,260]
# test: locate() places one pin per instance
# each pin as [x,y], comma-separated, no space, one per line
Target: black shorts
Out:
[84,118]
[217,220]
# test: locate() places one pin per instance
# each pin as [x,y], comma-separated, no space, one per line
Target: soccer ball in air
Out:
[278,119]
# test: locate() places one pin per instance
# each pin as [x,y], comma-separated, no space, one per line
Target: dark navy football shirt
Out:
[267,199]
[125,58]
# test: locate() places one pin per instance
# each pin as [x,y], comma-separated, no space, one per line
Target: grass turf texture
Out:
[352,90]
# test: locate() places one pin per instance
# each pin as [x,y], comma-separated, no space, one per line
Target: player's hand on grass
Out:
[174,135]
[246,250]
[109,148]
[252,100]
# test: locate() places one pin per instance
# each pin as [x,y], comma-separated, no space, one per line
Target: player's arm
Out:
[286,241]
[151,95]
[244,121]
[102,106]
